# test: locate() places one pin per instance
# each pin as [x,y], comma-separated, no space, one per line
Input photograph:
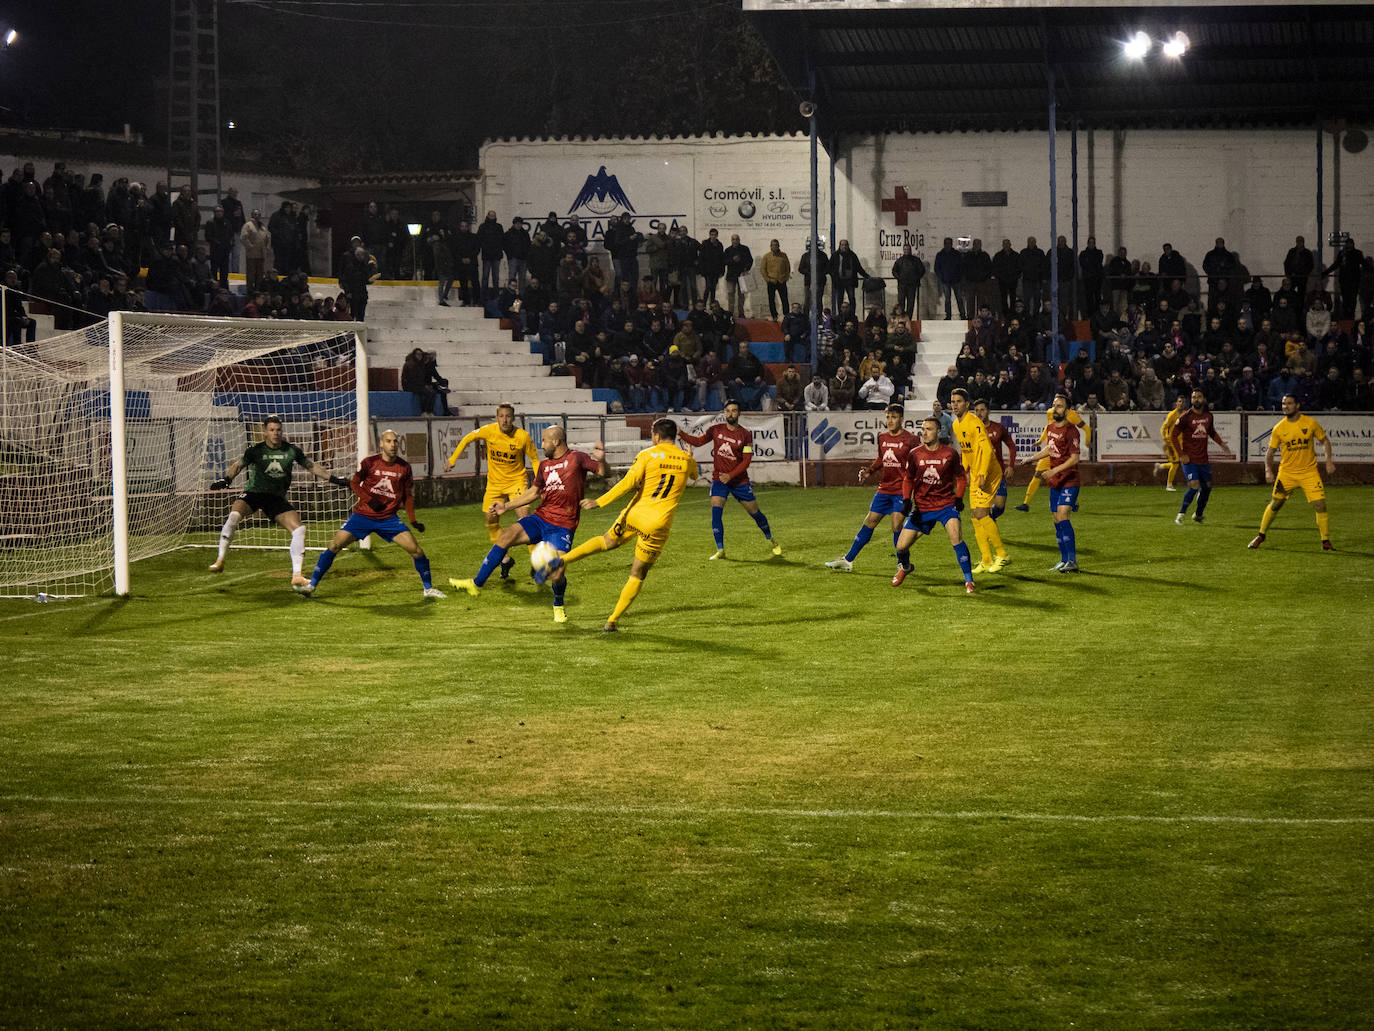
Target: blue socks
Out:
[762,520]
[965,563]
[861,538]
[322,565]
[422,567]
[1204,492]
[1188,496]
[718,526]
[1068,549]
[559,586]
[490,564]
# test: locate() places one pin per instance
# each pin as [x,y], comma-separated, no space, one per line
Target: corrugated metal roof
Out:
[962,68]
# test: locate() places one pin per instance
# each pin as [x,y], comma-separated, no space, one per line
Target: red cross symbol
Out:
[901,204]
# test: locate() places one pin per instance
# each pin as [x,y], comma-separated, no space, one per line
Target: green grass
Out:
[780,798]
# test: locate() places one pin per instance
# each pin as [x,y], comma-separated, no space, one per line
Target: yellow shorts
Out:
[649,538]
[986,498]
[499,492]
[1043,464]
[1310,482]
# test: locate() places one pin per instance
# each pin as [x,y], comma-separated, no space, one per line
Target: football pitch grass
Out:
[780,798]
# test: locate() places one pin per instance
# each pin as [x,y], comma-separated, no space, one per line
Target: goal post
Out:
[111,435]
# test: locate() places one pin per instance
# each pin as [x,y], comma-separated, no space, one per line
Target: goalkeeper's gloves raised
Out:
[906,506]
[419,526]
[339,481]
[220,484]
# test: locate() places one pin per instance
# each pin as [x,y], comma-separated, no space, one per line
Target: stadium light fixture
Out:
[11,37]
[1136,47]
[1176,45]
[414,228]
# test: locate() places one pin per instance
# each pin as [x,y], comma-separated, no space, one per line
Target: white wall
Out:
[1255,187]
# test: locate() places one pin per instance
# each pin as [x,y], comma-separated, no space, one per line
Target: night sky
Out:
[376,85]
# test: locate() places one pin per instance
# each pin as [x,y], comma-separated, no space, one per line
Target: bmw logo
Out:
[746,209]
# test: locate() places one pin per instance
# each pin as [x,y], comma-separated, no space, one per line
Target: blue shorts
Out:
[1002,492]
[387,529]
[740,492]
[537,530]
[925,522]
[886,503]
[1201,473]
[1063,497]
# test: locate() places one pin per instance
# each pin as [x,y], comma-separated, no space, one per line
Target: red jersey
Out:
[562,482]
[937,477]
[731,451]
[1000,438]
[1062,440]
[892,451]
[383,487]
[1190,436]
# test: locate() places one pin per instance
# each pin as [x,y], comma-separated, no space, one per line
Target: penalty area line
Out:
[691,812]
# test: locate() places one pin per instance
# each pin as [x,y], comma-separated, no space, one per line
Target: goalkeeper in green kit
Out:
[269,464]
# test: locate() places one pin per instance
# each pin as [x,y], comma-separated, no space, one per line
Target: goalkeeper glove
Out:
[419,526]
[906,506]
[219,484]
[339,481]
[377,504]
[958,504]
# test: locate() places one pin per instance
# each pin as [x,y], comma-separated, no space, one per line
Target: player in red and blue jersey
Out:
[1190,434]
[559,485]
[938,482]
[732,449]
[1062,449]
[894,489]
[383,483]
[1000,439]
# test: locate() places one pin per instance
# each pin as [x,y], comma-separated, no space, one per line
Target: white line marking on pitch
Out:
[694,812]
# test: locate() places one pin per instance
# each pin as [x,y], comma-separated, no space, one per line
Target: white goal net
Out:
[93,478]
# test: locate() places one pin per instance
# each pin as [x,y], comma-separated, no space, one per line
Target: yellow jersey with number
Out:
[658,477]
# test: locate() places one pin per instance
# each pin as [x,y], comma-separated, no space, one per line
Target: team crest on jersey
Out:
[930,474]
[384,486]
[726,451]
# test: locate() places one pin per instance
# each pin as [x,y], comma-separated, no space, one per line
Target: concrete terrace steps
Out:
[485,365]
[939,347]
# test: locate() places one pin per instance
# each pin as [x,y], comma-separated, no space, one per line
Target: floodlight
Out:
[1136,47]
[414,228]
[11,37]
[1176,45]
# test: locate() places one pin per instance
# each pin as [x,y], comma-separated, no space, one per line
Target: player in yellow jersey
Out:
[1173,461]
[507,476]
[984,477]
[1073,417]
[1295,440]
[658,477]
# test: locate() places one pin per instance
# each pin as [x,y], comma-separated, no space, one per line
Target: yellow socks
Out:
[493,531]
[1173,468]
[628,593]
[1031,488]
[1267,519]
[1323,526]
[993,535]
[588,547]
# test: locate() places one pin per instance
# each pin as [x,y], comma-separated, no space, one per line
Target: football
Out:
[542,554]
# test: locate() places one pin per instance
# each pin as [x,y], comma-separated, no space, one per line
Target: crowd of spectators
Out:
[656,321]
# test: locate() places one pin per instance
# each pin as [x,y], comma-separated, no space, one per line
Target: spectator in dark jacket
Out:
[516,244]
[491,242]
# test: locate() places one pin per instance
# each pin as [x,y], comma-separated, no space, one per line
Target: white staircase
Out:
[940,344]
[486,368]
